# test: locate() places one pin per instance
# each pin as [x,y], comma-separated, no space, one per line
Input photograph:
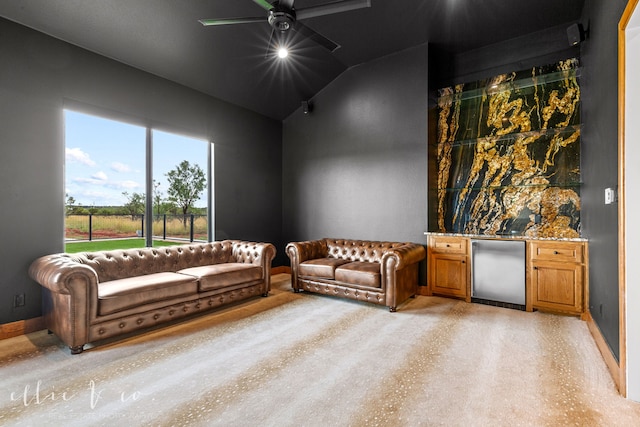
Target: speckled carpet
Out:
[310,360]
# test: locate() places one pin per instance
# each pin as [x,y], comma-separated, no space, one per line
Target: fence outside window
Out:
[166,227]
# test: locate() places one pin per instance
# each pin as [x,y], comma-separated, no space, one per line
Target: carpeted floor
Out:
[310,360]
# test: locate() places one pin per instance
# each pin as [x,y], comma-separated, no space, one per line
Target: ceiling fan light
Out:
[283,52]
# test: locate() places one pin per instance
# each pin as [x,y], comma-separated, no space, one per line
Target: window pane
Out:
[104,176]
[180,192]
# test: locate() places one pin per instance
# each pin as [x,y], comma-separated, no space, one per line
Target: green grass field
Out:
[104,245]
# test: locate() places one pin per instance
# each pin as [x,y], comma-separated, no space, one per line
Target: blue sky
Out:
[105,158]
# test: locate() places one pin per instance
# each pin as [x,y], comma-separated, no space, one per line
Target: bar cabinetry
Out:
[556,271]
[556,276]
[448,266]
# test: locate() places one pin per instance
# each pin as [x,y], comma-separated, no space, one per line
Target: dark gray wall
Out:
[521,53]
[39,76]
[600,161]
[356,166]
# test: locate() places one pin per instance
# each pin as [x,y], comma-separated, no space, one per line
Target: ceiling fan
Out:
[283,17]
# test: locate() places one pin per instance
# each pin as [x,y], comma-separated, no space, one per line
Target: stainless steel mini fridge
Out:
[498,270]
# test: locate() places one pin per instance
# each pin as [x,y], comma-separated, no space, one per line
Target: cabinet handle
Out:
[535,268]
[556,252]
[448,245]
[463,261]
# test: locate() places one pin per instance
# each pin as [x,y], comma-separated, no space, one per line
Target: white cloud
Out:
[78,156]
[100,179]
[100,176]
[120,167]
[89,181]
[124,185]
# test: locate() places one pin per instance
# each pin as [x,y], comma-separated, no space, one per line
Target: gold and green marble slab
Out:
[508,154]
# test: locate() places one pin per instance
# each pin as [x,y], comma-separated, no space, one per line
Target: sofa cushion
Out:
[218,276]
[321,267]
[120,294]
[359,273]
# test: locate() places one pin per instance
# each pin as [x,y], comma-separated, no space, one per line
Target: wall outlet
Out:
[18,300]
[609,196]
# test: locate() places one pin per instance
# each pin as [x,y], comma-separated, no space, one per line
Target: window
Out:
[112,195]
[180,190]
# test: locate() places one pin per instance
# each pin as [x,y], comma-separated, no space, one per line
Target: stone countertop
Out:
[506,237]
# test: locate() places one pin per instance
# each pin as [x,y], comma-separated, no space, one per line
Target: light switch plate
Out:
[609,196]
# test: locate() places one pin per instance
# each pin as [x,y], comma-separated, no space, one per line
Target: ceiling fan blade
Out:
[316,37]
[229,21]
[264,4]
[330,8]
[286,3]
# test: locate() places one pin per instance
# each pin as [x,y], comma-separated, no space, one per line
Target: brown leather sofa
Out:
[384,273]
[95,295]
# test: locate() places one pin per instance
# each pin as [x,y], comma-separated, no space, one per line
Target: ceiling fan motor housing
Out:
[281,20]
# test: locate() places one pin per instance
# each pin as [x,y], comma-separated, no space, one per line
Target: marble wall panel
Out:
[508,154]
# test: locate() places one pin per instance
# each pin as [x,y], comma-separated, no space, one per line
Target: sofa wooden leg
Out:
[76,349]
[392,309]
[266,294]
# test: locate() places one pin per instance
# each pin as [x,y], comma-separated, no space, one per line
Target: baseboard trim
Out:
[21,327]
[424,290]
[281,270]
[607,355]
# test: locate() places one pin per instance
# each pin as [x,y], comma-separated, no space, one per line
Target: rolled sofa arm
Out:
[261,254]
[400,272]
[70,297]
[60,273]
[299,252]
[304,251]
[403,255]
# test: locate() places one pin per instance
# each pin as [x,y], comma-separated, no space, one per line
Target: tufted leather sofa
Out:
[384,273]
[95,295]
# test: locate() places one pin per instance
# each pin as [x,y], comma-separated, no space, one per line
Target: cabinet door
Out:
[449,274]
[557,286]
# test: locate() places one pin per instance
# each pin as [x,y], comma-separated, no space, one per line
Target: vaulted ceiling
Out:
[232,62]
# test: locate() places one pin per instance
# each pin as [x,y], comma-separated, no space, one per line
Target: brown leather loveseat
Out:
[384,273]
[95,295]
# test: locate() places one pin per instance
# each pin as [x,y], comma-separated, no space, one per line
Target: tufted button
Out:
[185,308]
[171,312]
[156,316]
[198,305]
[122,325]
[139,321]
[101,331]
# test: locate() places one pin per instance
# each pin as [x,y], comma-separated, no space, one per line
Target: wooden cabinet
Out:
[556,272]
[556,276]
[448,268]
